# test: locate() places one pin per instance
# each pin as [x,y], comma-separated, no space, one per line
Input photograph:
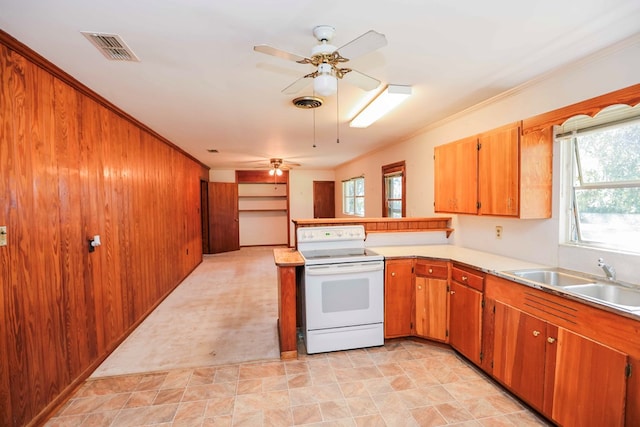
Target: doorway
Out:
[324,199]
[223,217]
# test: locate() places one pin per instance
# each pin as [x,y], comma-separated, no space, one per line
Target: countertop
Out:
[287,257]
[490,263]
[484,261]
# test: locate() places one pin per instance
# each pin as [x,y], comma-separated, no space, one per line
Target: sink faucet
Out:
[608,269]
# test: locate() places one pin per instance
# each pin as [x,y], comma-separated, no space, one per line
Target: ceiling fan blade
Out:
[290,165]
[361,80]
[269,50]
[297,86]
[368,42]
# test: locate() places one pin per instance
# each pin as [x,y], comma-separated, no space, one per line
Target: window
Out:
[393,196]
[353,196]
[604,185]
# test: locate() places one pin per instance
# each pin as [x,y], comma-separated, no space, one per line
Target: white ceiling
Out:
[201,85]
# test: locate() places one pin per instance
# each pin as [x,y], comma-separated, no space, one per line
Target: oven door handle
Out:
[348,268]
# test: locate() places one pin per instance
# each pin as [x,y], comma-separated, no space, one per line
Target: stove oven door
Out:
[341,295]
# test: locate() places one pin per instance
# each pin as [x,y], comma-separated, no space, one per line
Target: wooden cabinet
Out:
[431,300]
[498,172]
[571,378]
[465,320]
[519,353]
[589,376]
[456,176]
[512,175]
[398,304]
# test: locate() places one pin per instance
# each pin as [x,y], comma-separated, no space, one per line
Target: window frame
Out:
[572,175]
[353,181]
[393,169]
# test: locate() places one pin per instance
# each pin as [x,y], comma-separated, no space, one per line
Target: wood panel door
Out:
[456,176]
[498,172]
[465,321]
[398,304]
[588,376]
[324,199]
[224,233]
[519,353]
[431,308]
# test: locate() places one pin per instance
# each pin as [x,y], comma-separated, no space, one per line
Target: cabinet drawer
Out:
[431,269]
[467,277]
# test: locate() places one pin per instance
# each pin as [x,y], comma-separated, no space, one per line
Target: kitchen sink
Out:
[551,277]
[615,294]
[609,293]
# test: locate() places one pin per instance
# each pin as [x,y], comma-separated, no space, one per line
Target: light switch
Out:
[3,235]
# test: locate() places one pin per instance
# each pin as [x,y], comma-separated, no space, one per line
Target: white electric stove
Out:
[342,290]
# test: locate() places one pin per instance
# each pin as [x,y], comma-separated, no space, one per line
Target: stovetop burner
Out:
[334,245]
[328,254]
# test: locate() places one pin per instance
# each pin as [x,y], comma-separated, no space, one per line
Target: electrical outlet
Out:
[498,232]
[3,235]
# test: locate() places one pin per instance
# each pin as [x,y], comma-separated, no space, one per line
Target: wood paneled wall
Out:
[72,167]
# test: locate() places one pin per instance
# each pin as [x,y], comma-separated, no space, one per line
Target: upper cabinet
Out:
[456,176]
[498,171]
[501,172]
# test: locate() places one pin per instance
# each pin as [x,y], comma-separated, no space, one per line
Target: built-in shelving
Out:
[263,209]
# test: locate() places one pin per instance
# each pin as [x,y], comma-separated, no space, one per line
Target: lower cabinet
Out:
[588,376]
[570,378]
[519,353]
[432,300]
[557,355]
[465,320]
[398,303]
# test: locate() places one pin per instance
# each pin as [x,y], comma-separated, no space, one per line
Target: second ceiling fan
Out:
[328,61]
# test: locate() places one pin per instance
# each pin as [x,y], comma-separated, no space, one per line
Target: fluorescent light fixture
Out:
[389,99]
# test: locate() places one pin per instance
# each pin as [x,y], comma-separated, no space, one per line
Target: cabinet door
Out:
[519,353]
[465,325]
[398,289]
[431,308]
[588,376]
[456,176]
[498,172]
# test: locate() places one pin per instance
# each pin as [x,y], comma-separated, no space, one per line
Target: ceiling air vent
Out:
[307,102]
[111,46]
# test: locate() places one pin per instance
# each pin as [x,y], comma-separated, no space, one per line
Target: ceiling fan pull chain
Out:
[314,127]
[337,114]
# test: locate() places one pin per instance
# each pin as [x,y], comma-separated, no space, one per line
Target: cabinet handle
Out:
[430,270]
[536,333]
[465,278]
[419,288]
[551,340]
[393,274]
[452,292]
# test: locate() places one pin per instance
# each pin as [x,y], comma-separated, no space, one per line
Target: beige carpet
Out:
[224,312]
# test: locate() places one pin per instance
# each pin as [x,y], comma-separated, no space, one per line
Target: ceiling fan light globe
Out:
[272,172]
[279,172]
[325,84]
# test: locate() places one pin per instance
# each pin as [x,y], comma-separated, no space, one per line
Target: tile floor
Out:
[208,356]
[404,383]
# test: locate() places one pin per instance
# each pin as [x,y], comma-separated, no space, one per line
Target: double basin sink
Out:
[615,294]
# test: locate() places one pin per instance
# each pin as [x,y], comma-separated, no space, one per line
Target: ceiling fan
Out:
[328,61]
[276,165]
